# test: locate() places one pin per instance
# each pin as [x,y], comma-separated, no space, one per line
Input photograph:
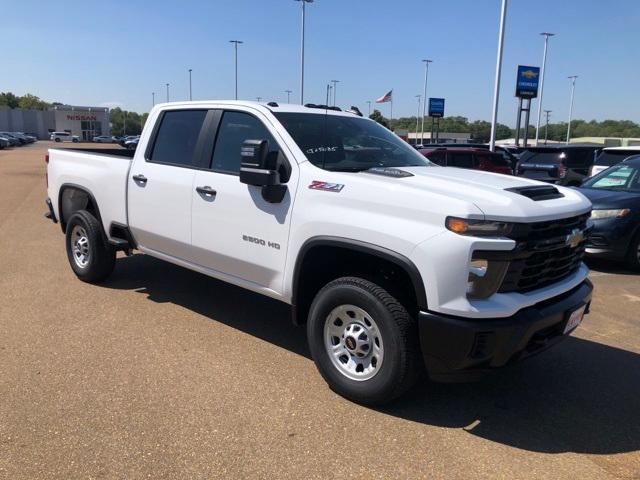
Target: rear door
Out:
[461,160]
[161,184]
[235,231]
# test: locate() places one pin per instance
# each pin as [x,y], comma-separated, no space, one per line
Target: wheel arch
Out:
[302,295]
[68,203]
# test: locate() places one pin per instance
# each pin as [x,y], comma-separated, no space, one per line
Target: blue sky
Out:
[118,52]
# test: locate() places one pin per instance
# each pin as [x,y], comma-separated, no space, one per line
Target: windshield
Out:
[618,178]
[348,144]
[612,157]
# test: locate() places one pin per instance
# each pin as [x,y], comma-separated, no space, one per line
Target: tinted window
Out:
[460,160]
[613,157]
[437,156]
[235,128]
[348,143]
[495,158]
[177,137]
[541,157]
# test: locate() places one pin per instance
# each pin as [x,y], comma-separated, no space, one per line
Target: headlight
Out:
[617,213]
[485,277]
[478,228]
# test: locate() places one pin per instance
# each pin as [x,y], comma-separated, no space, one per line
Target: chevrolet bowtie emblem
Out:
[529,74]
[574,238]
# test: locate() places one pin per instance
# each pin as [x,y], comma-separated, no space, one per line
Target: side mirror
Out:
[258,168]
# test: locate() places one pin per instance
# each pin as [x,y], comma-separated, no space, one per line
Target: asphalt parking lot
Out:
[163,373]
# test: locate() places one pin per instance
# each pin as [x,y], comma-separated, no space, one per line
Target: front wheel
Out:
[633,254]
[363,341]
[91,258]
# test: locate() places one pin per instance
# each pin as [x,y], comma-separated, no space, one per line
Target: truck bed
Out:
[101,172]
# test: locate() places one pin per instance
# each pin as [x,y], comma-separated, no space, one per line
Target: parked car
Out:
[4,143]
[565,165]
[615,195]
[131,144]
[472,158]
[610,156]
[508,156]
[24,138]
[392,262]
[104,139]
[13,140]
[64,137]
[124,140]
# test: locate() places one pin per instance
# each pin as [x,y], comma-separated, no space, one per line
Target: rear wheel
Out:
[363,341]
[91,257]
[57,140]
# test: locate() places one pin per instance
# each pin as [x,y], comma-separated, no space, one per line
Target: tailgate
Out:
[545,172]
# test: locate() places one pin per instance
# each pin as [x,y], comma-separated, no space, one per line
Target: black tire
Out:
[101,256]
[633,255]
[75,140]
[57,140]
[401,364]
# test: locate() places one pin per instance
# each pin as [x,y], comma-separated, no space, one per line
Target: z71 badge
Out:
[326,186]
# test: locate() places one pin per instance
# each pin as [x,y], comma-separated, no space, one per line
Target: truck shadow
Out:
[581,397]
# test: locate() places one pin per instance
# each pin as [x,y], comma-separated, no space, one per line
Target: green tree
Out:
[378,117]
[126,123]
[31,102]
[8,99]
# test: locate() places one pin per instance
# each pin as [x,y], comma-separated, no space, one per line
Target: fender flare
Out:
[66,186]
[362,247]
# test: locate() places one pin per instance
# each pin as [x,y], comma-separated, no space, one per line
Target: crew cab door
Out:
[234,230]
[161,182]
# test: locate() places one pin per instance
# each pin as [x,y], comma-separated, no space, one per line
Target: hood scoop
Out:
[537,193]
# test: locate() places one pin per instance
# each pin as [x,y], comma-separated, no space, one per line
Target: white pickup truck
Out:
[395,265]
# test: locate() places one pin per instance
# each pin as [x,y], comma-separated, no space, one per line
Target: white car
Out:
[103,139]
[64,137]
[610,156]
[394,264]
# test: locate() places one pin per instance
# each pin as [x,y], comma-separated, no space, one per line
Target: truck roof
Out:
[274,107]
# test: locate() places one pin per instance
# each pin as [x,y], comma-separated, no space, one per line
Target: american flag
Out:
[386,97]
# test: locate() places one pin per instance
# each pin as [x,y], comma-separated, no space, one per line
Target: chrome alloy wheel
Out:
[80,246]
[353,342]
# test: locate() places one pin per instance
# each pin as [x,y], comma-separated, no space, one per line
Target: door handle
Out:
[207,191]
[140,179]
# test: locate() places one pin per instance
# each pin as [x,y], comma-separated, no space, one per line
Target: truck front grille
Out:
[544,254]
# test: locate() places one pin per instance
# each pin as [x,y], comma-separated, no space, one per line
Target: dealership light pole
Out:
[235,45]
[544,63]
[369,103]
[258,98]
[424,104]
[546,125]
[124,125]
[190,94]
[153,99]
[417,117]
[573,89]
[496,85]
[304,3]
[288,92]
[335,88]
[167,93]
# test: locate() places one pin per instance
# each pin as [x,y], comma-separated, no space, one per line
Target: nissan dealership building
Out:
[85,122]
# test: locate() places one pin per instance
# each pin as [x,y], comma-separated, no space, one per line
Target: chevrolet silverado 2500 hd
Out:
[394,264]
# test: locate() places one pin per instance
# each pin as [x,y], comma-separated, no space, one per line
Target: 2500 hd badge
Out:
[260,241]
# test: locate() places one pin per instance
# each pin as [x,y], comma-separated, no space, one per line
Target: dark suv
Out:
[566,165]
[473,158]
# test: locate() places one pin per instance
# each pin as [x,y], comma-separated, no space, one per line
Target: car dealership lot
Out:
[164,373]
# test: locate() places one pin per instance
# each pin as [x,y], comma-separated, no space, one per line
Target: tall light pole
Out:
[124,126]
[258,98]
[288,92]
[190,93]
[235,44]
[417,117]
[153,99]
[496,85]
[573,89]
[167,92]
[369,103]
[335,88]
[544,63]
[424,104]
[304,3]
[546,126]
